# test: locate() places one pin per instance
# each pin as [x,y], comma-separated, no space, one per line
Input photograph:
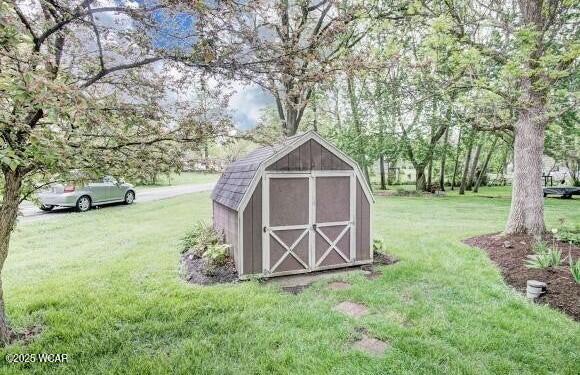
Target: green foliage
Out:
[200,238]
[217,254]
[205,242]
[575,269]
[379,245]
[568,234]
[544,257]
[541,247]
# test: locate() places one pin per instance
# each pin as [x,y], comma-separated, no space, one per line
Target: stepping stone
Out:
[371,346]
[352,309]
[338,285]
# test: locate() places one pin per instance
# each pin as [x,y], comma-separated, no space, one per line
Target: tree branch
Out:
[117,68]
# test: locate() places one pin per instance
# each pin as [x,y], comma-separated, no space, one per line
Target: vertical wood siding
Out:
[309,156]
[252,224]
[363,224]
[225,220]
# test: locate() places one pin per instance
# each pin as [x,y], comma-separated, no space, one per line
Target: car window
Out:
[109,180]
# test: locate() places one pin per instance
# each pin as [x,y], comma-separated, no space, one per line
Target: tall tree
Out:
[289,46]
[75,96]
[534,46]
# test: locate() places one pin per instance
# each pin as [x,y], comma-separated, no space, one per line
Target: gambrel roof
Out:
[240,177]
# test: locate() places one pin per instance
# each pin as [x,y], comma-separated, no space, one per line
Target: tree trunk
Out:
[420,178]
[527,207]
[430,174]
[443,157]
[466,168]
[484,168]
[473,167]
[456,166]
[382,167]
[358,127]
[8,214]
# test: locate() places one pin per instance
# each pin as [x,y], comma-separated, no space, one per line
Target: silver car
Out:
[108,190]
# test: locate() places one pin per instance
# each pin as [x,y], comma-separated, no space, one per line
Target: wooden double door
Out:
[309,221]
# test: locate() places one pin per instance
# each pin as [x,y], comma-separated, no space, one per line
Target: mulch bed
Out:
[380,259]
[195,270]
[510,254]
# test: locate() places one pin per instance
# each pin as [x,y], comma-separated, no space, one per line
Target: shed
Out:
[298,206]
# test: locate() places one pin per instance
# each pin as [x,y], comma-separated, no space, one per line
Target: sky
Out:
[247,100]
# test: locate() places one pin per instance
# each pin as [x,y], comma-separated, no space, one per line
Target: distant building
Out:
[556,172]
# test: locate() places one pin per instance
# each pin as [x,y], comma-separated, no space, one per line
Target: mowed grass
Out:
[104,286]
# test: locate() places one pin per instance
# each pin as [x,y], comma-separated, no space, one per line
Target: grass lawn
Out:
[185,178]
[104,286]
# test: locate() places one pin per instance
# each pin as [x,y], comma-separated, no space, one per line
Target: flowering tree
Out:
[82,88]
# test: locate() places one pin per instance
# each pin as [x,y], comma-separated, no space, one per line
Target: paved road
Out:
[29,212]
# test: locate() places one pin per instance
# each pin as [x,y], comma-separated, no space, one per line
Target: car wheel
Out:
[46,207]
[84,203]
[129,197]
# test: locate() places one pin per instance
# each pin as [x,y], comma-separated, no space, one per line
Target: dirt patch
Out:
[383,259]
[371,345]
[380,259]
[352,309]
[25,336]
[195,270]
[295,289]
[510,254]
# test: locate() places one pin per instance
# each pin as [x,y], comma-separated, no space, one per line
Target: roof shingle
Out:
[236,179]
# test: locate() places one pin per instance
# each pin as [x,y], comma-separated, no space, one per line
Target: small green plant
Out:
[199,238]
[378,245]
[549,258]
[575,269]
[540,247]
[217,254]
[567,233]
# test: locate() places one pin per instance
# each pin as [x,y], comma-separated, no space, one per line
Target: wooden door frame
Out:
[352,222]
[266,220]
[311,175]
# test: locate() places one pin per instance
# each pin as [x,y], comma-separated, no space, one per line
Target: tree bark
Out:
[420,178]
[430,174]
[466,168]
[443,157]
[382,167]
[456,166]
[358,126]
[527,208]
[484,168]
[8,213]
[474,167]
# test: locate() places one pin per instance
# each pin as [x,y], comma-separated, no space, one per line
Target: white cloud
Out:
[247,104]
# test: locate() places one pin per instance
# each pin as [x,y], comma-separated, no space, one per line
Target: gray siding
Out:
[252,227]
[309,156]
[226,220]
[363,224]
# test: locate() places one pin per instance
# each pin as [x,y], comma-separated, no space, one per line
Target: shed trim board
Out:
[311,135]
[312,228]
[264,176]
